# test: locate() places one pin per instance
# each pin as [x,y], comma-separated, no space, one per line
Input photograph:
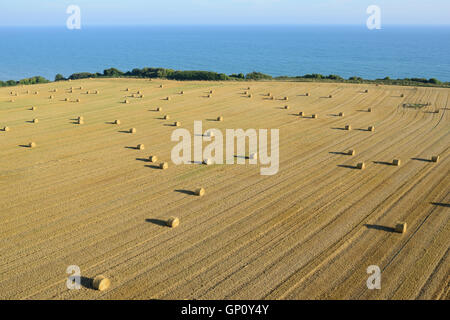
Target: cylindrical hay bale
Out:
[181,92]
[12,100]
[159,109]
[286,98]
[35,120]
[142,96]
[66,99]
[28,91]
[341,114]
[300,113]
[33,108]
[133,95]
[207,162]
[36,92]
[211,91]
[177,124]
[220,118]
[307,94]
[314,116]
[101,283]
[6,129]
[81,88]
[272,98]
[248,88]
[127,89]
[116,121]
[173,222]
[348,127]
[126,101]
[139,92]
[400,227]
[250,95]
[168,98]
[253,156]
[286,107]
[371,128]
[166,117]
[32,145]
[87,92]
[133,130]
[80,121]
[209,133]
[55,90]
[51,97]
[402,95]
[245,92]
[269,94]
[78,100]
[396,162]
[361,165]
[161,86]
[369,110]
[200,192]
[140,146]
[435,159]
[209,95]
[153,158]
[367,91]
[81,118]
[351,152]
[97,92]
[164,165]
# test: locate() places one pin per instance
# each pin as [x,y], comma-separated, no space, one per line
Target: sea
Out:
[353,50]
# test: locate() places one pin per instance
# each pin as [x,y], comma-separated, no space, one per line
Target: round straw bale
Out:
[66,99]
[361,166]
[250,95]
[341,114]
[153,158]
[351,152]
[286,98]
[307,94]
[80,118]
[396,162]
[181,92]
[51,97]
[166,117]
[219,118]
[253,156]
[300,113]
[435,159]
[161,86]
[164,165]
[211,91]
[200,192]
[286,107]
[12,100]
[402,95]
[367,91]
[6,129]
[33,108]
[369,110]
[173,222]
[35,120]
[207,162]
[400,227]
[133,130]
[126,101]
[348,127]
[167,98]
[32,145]
[330,96]
[127,89]
[371,128]
[80,121]
[116,121]
[140,147]
[101,283]
[177,124]
[314,116]
[159,109]
[78,100]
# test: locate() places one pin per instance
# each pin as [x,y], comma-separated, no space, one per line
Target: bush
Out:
[59,77]
[258,76]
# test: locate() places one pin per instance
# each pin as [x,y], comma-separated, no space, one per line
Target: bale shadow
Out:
[338,153]
[383,162]
[347,166]
[188,192]
[212,120]
[433,112]
[421,159]
[87,282]
[124,131]
[363,111]
[158,222]
[169,125]
[380,228]
[241,157]
[333,115]
[29,121]
[109,122]
[133,148]
[440,204]
[152,166]
[365,130]
[338,129]
[24,146]
[143,159]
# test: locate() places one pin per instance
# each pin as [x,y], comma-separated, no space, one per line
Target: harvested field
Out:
[85,196]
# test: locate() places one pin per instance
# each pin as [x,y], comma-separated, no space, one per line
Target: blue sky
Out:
[157,12]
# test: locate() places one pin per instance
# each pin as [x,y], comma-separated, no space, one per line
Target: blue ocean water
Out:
[394,51]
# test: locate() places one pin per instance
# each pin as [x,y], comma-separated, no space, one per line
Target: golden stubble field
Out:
[85,196]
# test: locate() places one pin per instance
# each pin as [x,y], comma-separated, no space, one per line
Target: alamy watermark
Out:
[183,153]
[74,280]
[374,20]
[74,20]
[374,280]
